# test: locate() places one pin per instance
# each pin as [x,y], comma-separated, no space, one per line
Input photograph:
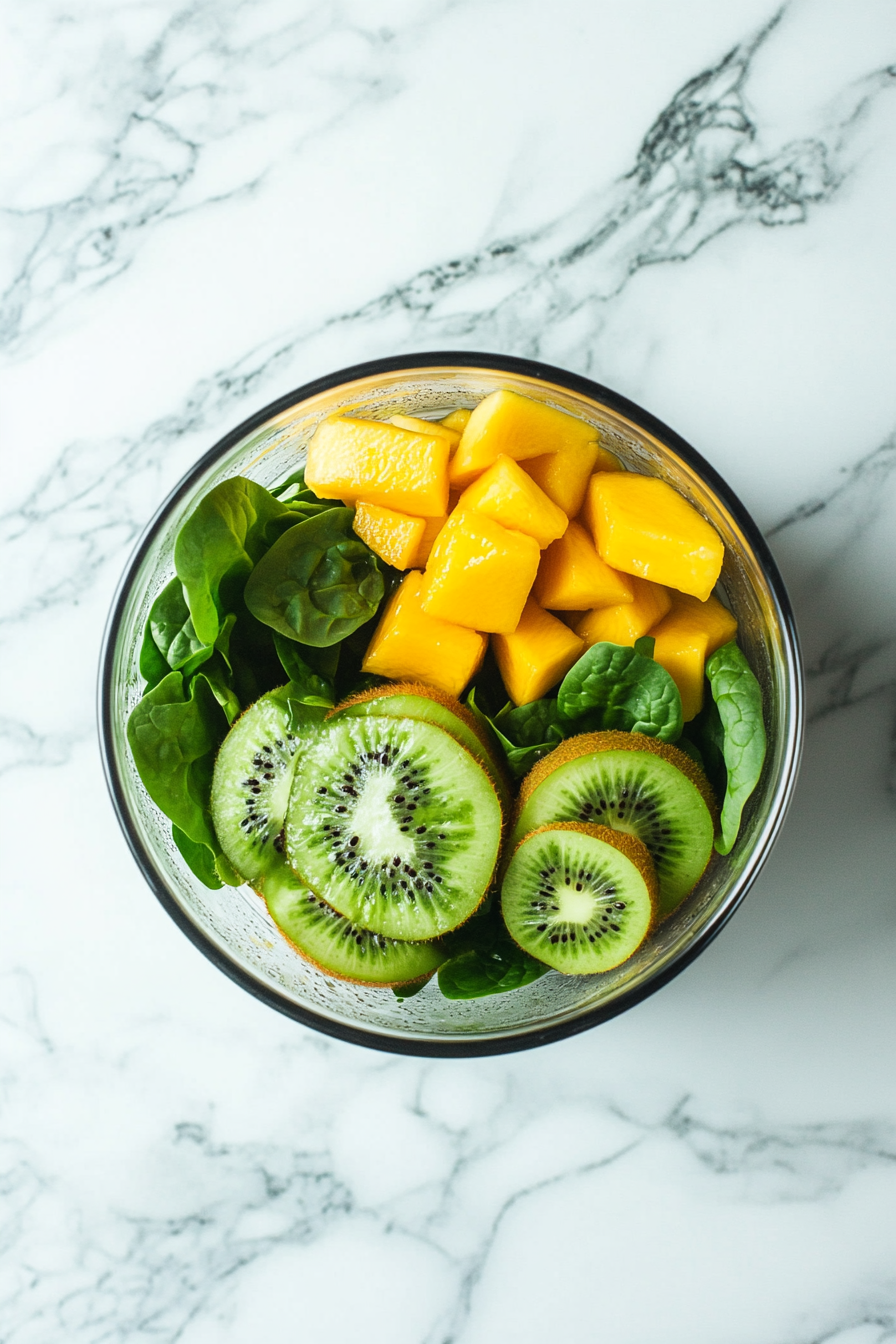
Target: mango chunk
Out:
[685,639]
[431,529]
[410,646]
[456,419]
[642,526]
[564,475]
[479,573]
[538,653]
[628,621]
[418,426]
[365,459]
[572,576]
[505,422]
[394,537]
[504,492]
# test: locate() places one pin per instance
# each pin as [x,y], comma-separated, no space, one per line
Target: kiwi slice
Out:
[395,824]
[579,898]
[633,784]
[416,700]
[251,782]
[338,947]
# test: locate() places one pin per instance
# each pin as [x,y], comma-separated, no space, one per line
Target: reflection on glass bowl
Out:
[232,926]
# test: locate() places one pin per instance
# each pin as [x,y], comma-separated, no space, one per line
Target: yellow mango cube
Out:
[418,426]
[586,512]
[564,475]
[431,529]
[394,537]
[537,655]
[504,492]
[642,526]
[408,645]
[505,422]
[627,622]
[479,573]
[365,459]
[685,639]
[572,576]
[456,419]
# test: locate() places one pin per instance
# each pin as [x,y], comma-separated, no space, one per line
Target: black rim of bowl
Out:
[460,1047]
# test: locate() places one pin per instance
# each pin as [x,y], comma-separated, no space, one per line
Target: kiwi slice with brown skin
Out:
[579,897]
[416,700]
[633,784]
[338,947]
[395,824]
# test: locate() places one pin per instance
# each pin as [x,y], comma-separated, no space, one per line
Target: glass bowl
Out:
[232,926]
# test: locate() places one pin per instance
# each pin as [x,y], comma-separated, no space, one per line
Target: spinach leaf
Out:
[198,858]
[738,697]
[520,759]
[174,736]
[403,992]
[611,686]
[485,959]
[169,640]
[227,533]
[707,733]
[153,664]
[645,646]
[302,716]
[539,721]
[294,491]
[310,670]
[691,749]
[318,583]
[476,974]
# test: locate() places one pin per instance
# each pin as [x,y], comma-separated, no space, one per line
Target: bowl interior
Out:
[233,925]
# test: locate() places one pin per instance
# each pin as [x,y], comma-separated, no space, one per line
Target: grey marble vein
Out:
[700,171]
[209,76]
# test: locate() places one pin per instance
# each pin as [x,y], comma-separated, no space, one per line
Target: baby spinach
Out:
[612,686]
[486,960]
[708,735]
[174,734]
[738,697]
[318,583]
[310,670]
[520,757]
[527,725]
[294,491]
[202,860]
[170,642]
[230,529]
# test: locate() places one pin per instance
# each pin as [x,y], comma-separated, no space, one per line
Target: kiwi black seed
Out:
[336,946]
[632,784]
[250,786]
[579,898]
[416,700]
[395,824]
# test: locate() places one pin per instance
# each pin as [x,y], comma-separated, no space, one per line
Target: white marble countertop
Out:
[205,205]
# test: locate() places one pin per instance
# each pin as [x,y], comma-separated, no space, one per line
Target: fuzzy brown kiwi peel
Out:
[470,732]
[586,743]
[579,897]
[633,784]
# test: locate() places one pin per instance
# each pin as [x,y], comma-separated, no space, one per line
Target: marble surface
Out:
[205,205]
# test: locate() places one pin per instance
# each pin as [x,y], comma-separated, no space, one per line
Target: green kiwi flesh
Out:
[575,902]
[409,706]
[641,794]
[251,783]
[395,824]
[336,946]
